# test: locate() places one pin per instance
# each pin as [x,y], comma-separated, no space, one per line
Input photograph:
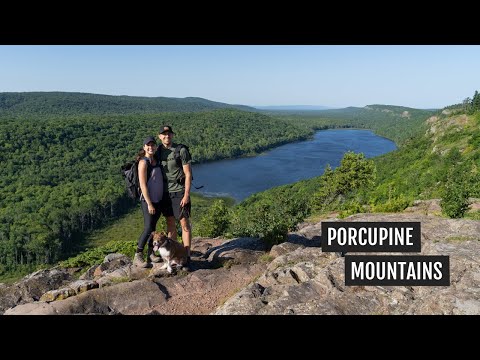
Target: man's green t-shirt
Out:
[170,168]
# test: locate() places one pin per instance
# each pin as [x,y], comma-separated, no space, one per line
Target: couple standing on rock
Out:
[165,183]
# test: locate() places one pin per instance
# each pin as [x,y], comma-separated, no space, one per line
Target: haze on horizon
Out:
[420,76]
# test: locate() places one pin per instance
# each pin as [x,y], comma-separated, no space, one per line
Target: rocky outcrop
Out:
[221,268]
[32,287]
[439,126]
[308,281]
[122,298]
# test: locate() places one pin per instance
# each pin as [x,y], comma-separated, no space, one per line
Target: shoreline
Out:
[289,142]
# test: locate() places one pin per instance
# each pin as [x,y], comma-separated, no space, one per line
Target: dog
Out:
[171,251]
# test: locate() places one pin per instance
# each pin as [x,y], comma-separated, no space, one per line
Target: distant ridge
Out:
[388,109]
[73,103]
[294,107]
[393,107]
[397,123]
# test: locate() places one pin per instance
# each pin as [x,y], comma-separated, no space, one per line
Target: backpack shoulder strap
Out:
[176,155]
[149,167]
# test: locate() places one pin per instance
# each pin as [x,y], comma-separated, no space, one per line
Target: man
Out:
[179,180]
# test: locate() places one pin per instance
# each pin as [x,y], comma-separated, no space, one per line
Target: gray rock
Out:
[89,274]
[283,248]
[115,277]
[111,266]
[75,288]
[237,251]
[111,257]
[58,294]
[81,286]
[201,245]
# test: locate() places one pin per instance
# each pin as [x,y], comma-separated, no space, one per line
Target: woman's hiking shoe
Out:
[139,262]
[154,258]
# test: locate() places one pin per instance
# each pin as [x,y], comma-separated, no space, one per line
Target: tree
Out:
[216,220]
[455,201]
[354,173]
[476,102]
[467,105]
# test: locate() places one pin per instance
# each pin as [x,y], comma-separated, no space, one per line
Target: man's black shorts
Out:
[163,207]
[178,211]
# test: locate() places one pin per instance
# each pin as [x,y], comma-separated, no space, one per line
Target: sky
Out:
[418,76]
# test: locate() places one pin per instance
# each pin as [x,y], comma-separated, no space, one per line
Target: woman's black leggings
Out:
[149,224]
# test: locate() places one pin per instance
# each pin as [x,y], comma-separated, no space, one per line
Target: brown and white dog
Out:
[172,252]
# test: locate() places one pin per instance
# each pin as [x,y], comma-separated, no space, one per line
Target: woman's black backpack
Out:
[130,175]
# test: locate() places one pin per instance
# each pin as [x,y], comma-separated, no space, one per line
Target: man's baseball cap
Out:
[166,128]
[149,139]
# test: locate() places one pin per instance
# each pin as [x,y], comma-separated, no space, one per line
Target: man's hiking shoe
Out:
[196,254]
[139,262]
[188,265]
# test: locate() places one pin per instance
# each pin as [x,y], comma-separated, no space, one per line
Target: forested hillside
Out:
[70,103]
[394,122]
[442,162]
[61,175]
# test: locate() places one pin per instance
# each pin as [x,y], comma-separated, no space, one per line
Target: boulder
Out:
[237,251]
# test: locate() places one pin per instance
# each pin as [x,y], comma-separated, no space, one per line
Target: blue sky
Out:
[420,76]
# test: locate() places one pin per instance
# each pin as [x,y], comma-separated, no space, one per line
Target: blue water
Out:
[239,178]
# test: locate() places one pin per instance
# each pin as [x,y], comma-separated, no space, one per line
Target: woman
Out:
[151,185]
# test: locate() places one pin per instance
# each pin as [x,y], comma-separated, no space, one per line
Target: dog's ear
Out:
[152,234]
[162,234]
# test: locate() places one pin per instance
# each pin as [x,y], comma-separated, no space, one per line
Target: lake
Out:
[240,178]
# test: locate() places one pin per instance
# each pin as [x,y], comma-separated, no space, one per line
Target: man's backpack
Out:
[130,175]
[178,160]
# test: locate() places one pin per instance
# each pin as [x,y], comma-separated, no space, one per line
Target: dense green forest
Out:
[61,174]
[69,103]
